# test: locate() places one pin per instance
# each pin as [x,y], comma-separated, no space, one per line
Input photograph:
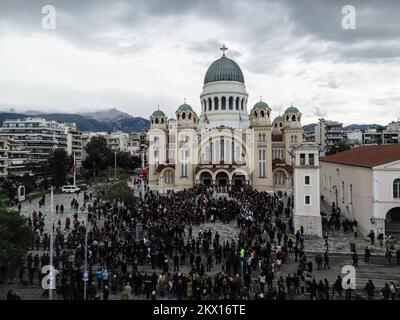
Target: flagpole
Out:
[74,170]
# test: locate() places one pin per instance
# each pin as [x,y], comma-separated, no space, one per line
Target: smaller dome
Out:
[261,105]
[278,119]
[158,113]
[185,107]
[292,109]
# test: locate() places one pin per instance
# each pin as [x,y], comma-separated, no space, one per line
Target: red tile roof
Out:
[366,156]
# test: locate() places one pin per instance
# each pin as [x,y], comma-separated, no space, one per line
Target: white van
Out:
[70,189]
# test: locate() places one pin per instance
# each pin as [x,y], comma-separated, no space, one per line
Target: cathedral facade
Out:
[226,144]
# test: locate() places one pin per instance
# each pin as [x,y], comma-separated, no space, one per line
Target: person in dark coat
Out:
[370,288]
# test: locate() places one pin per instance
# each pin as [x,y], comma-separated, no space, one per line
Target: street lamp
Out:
[85,271]
[52,274]
[143,154]
[115,164]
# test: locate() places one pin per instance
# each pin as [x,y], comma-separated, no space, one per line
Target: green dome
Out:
[261,105]
[158,113]
[185,107]
[224,69]
[278,119]
[292,109]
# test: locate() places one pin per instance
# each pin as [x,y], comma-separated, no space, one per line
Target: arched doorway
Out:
[392,222]
[238,179]
[205,178]
[222,179]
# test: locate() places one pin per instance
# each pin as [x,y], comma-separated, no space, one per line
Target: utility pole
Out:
[143,174]
[85,272]
[74,170]
[115,164]
[52,280]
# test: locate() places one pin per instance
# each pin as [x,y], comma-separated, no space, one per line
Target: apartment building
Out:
[39,136]
[17,158]
[327,133]
[74,142]
[3,156]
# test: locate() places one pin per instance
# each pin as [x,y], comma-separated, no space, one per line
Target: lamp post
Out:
[115,164]
[74,167]
[143,154]
[51,245]
[85,271]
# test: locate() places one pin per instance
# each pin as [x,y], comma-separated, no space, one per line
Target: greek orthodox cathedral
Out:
[227,144]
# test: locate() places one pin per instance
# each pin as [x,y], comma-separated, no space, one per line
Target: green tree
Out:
[16,237]
[10,189]
[99,156]
[127,161]
[28,182]
[58,165]
[339,146]
[115,193]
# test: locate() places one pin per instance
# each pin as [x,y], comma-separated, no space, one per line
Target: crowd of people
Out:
[148,249]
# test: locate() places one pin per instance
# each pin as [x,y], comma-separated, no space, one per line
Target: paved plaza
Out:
[377,269]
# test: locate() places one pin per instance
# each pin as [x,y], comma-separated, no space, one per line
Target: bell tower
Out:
[307,213]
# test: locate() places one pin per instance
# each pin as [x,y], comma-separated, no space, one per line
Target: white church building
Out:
[229,143]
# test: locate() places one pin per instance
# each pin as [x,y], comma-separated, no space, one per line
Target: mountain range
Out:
[113,119]
[103,120]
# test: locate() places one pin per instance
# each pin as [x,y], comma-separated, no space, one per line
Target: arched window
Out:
[280,178]
[293,118]
[237,103]
[230,103]
[183,116]
[298,118]
[262,113]
[280,124]
[162,120]
[255,114]
[169,177]
[205,105]
[223,103]
[190,115]
[287,118]
[156,120]
[276,125]
[152,121]
[209,104]
[396,188]
[242,104]
[216,104]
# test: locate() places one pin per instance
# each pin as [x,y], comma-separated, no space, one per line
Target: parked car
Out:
[70,189]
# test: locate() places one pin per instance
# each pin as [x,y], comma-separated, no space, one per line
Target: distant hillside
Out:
[108,115]
[309,127]
[84,123]
[362,126]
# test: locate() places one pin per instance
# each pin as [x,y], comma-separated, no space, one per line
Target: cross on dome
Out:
[223,49]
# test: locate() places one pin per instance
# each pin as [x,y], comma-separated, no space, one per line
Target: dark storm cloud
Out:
[269,30]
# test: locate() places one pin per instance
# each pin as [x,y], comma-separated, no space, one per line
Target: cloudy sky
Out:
[135,55]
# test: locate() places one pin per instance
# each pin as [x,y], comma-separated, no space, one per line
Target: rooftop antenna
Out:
[223,49]
[260,98]
[184,100]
